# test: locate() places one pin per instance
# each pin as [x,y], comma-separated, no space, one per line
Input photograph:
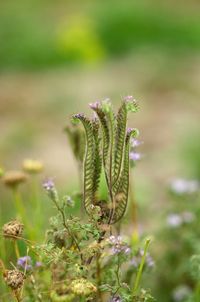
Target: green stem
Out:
[20,209]
[133,204]
[37,206]
[16,249]
[140,270]
[19,205]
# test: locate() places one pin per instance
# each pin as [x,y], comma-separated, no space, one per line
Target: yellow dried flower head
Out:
[13,229]
[14,279]
[32,166]
[82,287]
[14,178]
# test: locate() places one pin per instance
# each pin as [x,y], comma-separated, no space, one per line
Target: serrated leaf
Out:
[89,166]
[121,195]
[97,158]
[120,140]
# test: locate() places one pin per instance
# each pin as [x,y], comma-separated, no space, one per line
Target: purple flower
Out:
[135,142]
[184,186]
[48,185]
[174,220]
[118,246]
[25,262]
[95,105]
[38,264]
[136,260]
[135,156]
[128,98]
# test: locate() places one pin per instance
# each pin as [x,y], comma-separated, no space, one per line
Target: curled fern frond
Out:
[112,154]
[89,161]
[111,121]
[129,104]
[121,193]
[97,158]
[105,129]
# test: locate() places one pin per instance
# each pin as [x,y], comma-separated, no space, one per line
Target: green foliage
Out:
[113,151]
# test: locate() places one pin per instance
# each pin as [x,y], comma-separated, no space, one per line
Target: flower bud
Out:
[14,279]
[12,229]
[13,178]
[82,287]
[32,166]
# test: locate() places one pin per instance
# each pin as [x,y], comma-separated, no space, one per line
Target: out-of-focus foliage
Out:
[47,33]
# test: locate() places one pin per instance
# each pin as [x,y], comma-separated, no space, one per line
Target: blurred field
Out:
[55,58]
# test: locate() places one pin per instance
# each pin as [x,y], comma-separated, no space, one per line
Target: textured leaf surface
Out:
[121,195]
[89,161]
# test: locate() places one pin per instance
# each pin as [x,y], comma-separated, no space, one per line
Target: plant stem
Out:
[99,278]
[140,270]
[22,212]
[16,249]
[133,209]
[67,227]
[19,204]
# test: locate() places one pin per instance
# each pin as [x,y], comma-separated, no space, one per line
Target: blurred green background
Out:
[58,56]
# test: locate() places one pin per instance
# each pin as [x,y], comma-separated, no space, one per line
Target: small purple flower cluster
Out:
[48,185]
[26,263]
[118,246]
[95,105]
[136,260]
[175,220]
[134,155]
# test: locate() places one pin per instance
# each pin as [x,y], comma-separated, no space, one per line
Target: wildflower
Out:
[136,260]
[135,142]
[14,279]
[174,220]
[25,262]
[12,229]
[14,178]
[38,264]
[95,105]
[82,287]
[48,185]
[181,293]
[128,98]
[118,246]
[183,186]
[135,156]
[32,166]
[131,103]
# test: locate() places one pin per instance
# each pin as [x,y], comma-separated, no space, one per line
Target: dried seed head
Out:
[14,279]
[32,166]
[13,178]
[82,287]
[12,229]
